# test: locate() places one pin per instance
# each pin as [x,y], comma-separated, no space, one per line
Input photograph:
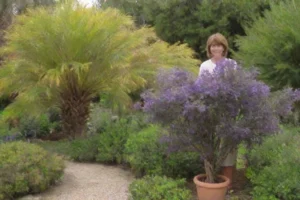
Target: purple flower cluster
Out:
[217,111]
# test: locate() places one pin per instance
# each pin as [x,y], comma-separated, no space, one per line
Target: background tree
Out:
[129,7]
[193,21]
[67,55]
[9,8]
[273,45]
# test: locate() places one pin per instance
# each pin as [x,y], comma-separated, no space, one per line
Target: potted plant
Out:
[214,113]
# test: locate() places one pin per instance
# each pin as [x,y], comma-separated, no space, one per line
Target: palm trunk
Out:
[74,106]
[74,114]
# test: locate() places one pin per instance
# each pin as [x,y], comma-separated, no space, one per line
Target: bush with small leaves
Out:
[147,155]
[183,165]
[8,134]
[84,149]
[99,119]
[107,146]
[274,167]
[27,168]
[112,142]
[159,188]
[37,127]
[144,153]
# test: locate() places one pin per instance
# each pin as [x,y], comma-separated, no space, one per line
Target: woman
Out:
[217,50]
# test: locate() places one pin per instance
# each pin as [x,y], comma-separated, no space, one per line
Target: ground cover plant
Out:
[159,188]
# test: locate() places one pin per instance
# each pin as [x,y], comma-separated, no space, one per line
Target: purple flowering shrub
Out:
[217,111]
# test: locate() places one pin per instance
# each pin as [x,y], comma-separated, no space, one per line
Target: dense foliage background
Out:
[193,21]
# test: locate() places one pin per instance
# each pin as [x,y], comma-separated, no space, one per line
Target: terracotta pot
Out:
[211,191]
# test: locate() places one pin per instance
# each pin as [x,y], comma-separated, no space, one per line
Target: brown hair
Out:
[218,39]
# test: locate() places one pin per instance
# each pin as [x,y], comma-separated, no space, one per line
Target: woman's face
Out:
[216,50]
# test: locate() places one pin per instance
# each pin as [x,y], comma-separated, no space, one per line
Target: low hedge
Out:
[27,168]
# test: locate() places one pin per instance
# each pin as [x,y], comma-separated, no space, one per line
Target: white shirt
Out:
[207,66]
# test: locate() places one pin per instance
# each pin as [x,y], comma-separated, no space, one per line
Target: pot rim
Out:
[211,185]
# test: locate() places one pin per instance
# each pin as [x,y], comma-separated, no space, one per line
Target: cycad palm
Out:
[67,55]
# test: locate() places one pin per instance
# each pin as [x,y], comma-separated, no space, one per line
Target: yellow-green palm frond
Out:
[28,103]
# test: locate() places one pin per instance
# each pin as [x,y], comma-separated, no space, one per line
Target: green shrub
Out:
[9,134]
[84,149]
[144,153]
[35,126]
[183,165]
[107,146]
[99,119]
[26,168]
[81,149]
[272,44]
[61,147]
[159,188]
[103,119]
[112,141]
[148,156]
[274,167]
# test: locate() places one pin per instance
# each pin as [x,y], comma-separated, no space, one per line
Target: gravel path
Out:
[84,181]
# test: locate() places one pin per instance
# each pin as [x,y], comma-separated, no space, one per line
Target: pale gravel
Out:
[85,181]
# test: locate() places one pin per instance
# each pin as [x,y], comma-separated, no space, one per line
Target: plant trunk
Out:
[74,114]
[210,176]
[75,107]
